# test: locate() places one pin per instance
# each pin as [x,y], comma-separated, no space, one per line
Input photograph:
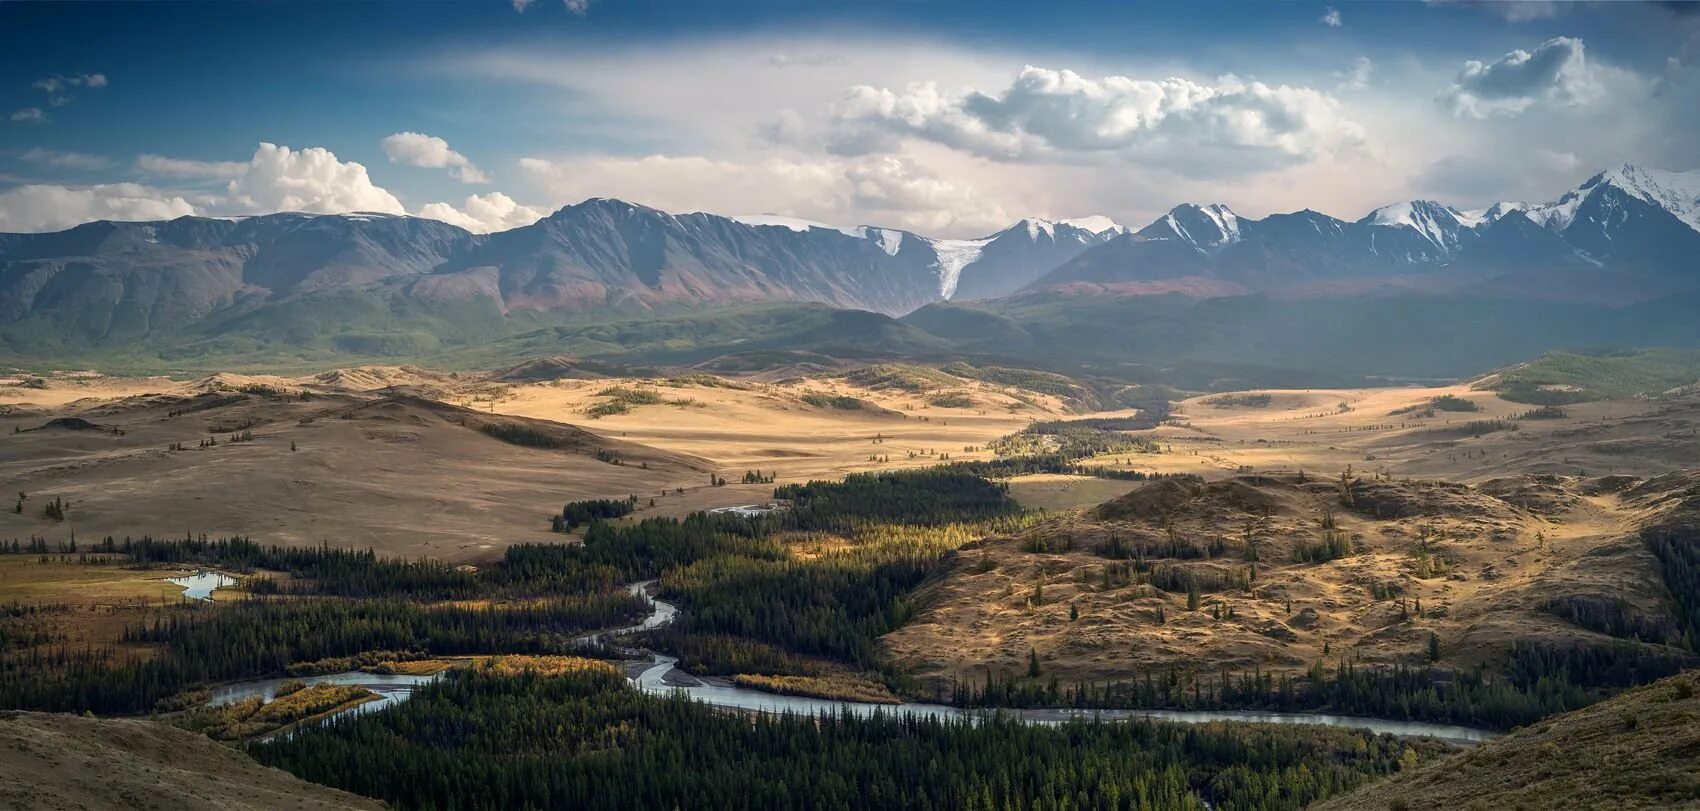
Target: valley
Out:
[1138,549]
[986,406]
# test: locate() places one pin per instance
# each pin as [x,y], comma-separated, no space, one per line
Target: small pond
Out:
[201,585]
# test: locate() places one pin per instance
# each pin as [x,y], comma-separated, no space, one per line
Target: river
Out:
[662,677]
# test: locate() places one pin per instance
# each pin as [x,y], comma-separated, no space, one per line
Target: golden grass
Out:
[31,580]
[542,665]
[1482,580]
[1637,750]
[251,718]
[838,687]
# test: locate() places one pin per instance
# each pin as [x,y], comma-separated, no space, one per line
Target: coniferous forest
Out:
[749,604]
[588,741]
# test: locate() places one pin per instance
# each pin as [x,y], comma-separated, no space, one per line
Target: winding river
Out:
[662,677]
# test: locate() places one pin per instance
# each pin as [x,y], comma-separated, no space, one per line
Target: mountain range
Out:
[1631,231]
[383,285]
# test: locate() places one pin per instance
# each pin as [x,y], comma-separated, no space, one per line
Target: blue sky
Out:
[945,117]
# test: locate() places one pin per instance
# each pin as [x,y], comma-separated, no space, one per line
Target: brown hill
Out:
[1638,750]
[50,762]
[1295,570]
[402,474]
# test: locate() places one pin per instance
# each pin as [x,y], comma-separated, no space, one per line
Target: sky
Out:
[947,118]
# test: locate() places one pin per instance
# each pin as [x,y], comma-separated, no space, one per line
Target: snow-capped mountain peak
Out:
[1482,216]
[1436,223]
[1676,192]
[1203,227]
[1095,224]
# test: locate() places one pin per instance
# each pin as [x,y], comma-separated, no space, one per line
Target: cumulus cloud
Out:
[1331,18]
[30,115]
[52,208]
[278,178]
[54,159]
[179,167]
[484,213]
[431,152]
[869,190]
[1060,115]
[312,180]
[1556,73]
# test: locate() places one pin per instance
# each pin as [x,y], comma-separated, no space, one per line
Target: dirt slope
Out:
[1638,750]
[1480,567]
[50,762]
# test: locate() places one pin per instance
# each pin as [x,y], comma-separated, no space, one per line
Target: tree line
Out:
[197,645]
[587,740]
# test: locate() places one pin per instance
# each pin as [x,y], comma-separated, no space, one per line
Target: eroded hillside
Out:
[1277,573]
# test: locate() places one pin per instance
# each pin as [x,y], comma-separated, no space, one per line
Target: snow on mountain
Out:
[1476,218]
[792,223]
[1675,192]
[1203,227]
[1441,225]
[1096,224]
[953,256]
[890,240]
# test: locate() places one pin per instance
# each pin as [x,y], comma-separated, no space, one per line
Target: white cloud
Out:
[874,190]
[30,115]
[813,59]
[431,152]
[1332,18]
[521,5]
[1516,11]
[1357,77]
[1058,115]
[312,180]
[578,7]
[1556,73]
[58,84]
[52,208]
[484,213]
[55,159]
[179,167]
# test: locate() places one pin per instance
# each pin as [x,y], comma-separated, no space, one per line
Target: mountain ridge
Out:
[395,286]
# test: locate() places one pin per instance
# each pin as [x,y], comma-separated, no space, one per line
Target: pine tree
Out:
[1032,663]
